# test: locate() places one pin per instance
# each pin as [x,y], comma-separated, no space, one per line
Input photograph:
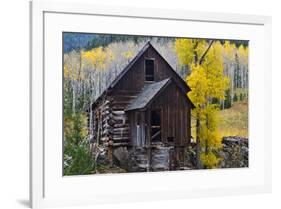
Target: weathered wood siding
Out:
[103,121]
[111,123]
[138,131]
[175,115]
[122,127]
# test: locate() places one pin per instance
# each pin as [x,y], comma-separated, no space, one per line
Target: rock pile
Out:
[234,152]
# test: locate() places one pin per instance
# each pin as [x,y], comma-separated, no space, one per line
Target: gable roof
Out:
[147,94]
[139,54]
[133,61]
[130,64]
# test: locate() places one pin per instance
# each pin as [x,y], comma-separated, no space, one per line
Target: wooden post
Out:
[148,158]
[148,137]
[110,152]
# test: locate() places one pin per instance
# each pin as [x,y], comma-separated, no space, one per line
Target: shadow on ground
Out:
[24,203]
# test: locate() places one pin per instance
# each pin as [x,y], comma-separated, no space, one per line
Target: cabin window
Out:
[155,125]
[149,70]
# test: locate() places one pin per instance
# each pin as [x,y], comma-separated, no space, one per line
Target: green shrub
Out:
[77,155]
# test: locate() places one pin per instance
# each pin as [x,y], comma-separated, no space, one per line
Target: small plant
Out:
[78,159]
[77,155]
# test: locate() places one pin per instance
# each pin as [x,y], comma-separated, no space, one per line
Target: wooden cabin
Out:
[146,109]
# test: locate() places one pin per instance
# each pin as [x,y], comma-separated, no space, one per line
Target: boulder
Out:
[121,156]
[102,156]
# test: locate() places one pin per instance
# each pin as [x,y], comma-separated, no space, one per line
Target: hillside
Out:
[234,121]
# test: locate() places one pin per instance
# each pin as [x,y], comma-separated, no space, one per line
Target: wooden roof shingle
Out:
[149,92]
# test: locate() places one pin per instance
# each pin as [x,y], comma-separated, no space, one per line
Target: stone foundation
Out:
[234,154]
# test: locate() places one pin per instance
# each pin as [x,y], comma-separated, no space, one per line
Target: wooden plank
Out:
[131,118]
[121,103]
[119,117]
[120,144]
[118,107]
[117,138]
[121,125]
[120,112]
[148,134]
[121,129]
[156,134]
[127,92]
[177,117]
[164,129]
[121,134]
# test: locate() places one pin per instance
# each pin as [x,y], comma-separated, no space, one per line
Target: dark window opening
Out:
[155,125]
[149,70]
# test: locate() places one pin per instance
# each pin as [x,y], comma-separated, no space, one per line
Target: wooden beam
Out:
[156,134]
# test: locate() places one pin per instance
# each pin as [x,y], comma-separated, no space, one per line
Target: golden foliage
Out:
[198,83]
[207,82]
[66,71]
[209,159]
[128,54]
[209,134]
[110,55]
[188,48]
[95,57]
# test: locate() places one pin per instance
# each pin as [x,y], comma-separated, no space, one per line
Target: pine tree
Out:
[241,97]
[235,98]
[227,101]
[77,155]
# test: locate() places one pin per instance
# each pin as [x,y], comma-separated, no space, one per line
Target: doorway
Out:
[155,124]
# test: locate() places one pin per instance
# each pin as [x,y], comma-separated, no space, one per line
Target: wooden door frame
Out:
[161,122]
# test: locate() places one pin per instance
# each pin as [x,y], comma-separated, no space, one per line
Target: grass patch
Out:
[108,169]
[233,121]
